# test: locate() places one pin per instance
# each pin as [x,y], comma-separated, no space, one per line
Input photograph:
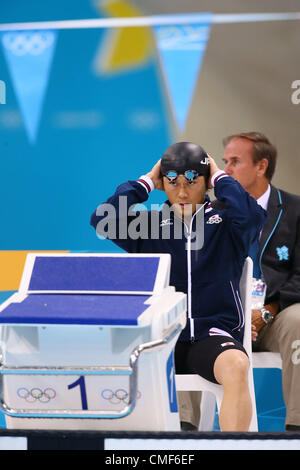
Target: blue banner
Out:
[181,49]
[29,56]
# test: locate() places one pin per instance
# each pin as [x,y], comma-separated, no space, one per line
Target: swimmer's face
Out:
[184,195]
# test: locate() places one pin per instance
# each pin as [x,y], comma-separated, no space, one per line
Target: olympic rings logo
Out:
[28,43]
[36,394]
[120,395]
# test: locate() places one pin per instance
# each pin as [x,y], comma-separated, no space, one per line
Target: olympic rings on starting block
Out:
[31,396]
[115,398]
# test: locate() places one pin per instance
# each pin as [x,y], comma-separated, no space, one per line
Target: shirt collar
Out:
[264,198]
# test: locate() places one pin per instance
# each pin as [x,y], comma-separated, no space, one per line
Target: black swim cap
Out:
[184,156]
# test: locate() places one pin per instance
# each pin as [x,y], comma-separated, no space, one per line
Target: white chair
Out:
[212,394]
[267,360]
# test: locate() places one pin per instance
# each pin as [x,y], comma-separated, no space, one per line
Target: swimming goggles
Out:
[190,175]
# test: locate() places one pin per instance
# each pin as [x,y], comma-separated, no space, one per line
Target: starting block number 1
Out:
[81,384]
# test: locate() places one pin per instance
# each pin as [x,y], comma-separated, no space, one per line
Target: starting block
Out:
[87,344]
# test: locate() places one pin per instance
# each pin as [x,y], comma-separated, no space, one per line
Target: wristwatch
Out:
[266,315]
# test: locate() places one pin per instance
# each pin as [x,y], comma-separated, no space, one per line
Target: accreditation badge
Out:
[258,293]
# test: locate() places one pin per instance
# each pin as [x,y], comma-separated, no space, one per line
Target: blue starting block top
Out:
[87,289]
[76,309]
[95,273]
[111,274]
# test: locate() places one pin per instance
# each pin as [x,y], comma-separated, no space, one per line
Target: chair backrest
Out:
[246,295]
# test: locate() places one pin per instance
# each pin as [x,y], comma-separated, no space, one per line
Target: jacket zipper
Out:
[189,270]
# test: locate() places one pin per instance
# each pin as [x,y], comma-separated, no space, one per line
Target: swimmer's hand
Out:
[155,175]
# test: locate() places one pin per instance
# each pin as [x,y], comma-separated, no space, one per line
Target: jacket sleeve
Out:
[246,218]
[112,218]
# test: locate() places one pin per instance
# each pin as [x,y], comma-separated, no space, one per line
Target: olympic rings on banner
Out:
[23,43]
[31,396]
[115,398]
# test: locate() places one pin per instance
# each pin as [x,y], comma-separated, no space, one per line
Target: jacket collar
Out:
[274,213]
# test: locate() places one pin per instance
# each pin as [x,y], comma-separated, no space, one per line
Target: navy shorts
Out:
[199,357]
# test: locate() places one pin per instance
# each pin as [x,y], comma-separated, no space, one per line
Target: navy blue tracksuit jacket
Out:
[210,276]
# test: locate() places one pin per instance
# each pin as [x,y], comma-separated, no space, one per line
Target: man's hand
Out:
[254,333]
[155,175]
[257,321]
